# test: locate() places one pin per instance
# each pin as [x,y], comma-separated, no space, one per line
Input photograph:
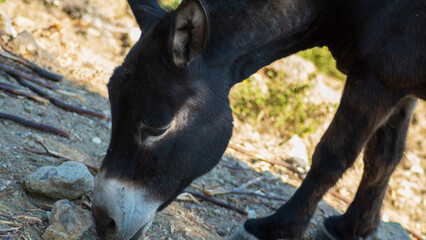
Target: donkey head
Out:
[169,124]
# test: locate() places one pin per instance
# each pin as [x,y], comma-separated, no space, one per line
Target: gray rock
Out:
[70,180]
[242,234]
[67,221]
[298,153]
[88,235]
[25,44]
[295,66]
[390,231]
[6,24]
[385,231]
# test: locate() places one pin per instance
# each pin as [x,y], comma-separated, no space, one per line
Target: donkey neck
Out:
[247,35]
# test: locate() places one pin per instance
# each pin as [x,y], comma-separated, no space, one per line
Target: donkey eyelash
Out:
[142,125]
[149,131]
[153,131]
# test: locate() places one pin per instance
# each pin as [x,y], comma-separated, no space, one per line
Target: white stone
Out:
[96,140]
[135,34]
[298,152]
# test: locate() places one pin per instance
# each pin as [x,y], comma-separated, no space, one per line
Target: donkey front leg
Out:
[364,106]
[382,154]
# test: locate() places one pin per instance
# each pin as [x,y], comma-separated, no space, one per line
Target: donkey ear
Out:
[146,11]
[190,31]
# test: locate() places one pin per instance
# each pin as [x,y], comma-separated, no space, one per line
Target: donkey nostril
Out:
[111,226]
[104,223]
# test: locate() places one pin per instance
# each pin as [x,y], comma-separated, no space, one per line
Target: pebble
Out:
[96,140]
[67,221]
[135,34]
[70,180]
[28,109]
[417,170]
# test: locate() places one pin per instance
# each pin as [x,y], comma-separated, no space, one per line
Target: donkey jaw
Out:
[122,210]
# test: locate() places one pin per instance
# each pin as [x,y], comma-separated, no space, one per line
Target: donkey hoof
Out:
[242,234]
[323,234]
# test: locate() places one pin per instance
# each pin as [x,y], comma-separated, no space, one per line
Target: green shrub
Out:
[323,60]
[170,3]
[277,105]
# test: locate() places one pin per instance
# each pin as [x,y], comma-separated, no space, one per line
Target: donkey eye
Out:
[146,130]
[155,131]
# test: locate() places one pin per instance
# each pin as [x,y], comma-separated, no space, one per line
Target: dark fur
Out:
[379,44]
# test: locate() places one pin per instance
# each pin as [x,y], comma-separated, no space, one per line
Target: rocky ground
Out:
[84,41]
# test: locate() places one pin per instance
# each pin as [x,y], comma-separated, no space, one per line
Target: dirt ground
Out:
[84,41]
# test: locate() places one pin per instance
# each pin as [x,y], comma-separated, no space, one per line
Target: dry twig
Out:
[27,218]
[15,72]
[59,103]
[22,216]
[415,234]
[37,81]
[36,125]
[13,224]
[41,71]
[14,229]
[14,90]
[241,190]
[218,202]
[258,157]
[55,155]
[288,166]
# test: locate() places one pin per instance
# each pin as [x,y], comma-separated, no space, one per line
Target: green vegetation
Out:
[323,60]
[277,105]
[170,3]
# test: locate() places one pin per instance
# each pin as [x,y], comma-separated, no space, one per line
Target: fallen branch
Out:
[15,72]
[288,166]
[22,216]
[13,95]
[41,71]
[231,167]
[241,190]
[58,103]
[55,155]
[27,218]
[278,163]
[187,197]
[257,195]
[36,125]
[251,182]
[339,196]
[4,231]
[12,89]
[218,202]
[415,234]
[13,224]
